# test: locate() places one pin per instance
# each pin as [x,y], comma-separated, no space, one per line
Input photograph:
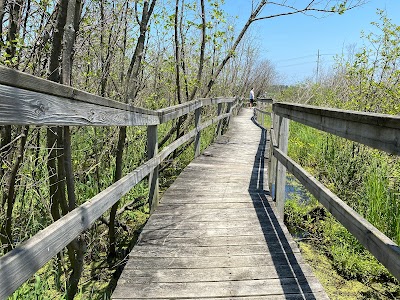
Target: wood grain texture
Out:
[26,99]
[13,78]
[383,248]
[215,234]
[375,130]
[24,107]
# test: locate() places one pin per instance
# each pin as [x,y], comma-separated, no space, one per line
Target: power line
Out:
[299,64]
[294,58]
[301,57]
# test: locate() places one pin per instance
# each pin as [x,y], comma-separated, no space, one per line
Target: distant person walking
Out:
[251,97]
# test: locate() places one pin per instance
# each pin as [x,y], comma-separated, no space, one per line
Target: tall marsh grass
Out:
[368,180]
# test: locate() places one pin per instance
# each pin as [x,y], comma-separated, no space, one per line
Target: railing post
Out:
[227,120]
[282,140]
[197,120]
[272,161]
[219,126]
[152,150]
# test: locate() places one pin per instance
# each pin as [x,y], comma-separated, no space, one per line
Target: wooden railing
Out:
[375,130]
[28,100]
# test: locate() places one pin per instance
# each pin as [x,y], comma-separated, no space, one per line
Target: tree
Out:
[256,15]
[132,79]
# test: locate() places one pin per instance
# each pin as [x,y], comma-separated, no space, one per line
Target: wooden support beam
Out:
[229,110]
[197,142]
[152,151]
[283,137]
[219,126]
[272,164]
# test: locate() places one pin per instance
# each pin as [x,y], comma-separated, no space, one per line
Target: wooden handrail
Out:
[16,79]
[29,100]
[376,130]
[379,131]
[26,100]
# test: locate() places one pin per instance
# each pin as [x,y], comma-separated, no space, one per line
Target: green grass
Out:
[368,180]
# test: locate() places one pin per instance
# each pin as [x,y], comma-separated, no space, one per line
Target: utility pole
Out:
[316,79]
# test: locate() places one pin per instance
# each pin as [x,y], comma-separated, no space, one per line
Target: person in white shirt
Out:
[251,97]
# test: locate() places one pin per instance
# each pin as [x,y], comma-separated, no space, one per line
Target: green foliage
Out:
[369,188]
[374,75]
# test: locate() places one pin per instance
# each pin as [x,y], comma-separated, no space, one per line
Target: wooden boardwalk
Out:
[215,234]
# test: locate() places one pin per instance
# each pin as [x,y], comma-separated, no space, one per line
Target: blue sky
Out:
[291,43]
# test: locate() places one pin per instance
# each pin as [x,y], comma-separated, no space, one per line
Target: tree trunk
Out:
[134,67]
[202,51]
[2,10]
[177,70]
[233,48]
[5,145]
[6,229]
[10,176]
[118,175]
[13,28]
[55,165]
[133,72]
[76,248]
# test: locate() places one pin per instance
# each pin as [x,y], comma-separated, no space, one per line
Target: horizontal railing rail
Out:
[28,100]
[375,130]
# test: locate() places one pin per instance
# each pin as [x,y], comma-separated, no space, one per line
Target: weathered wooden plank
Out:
[375,130]
[198,262]
[224,194]
[217,205]
[199,209]
[215,251]
[23,107]
[170,113]
[29,257]
[212,218]
[211,274]
[206,232]
[239,288]
[303,296]
[193,224]
[383,248]
[13,78]
[43,98]
[213,240]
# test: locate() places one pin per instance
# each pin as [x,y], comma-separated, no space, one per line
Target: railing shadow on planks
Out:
[378,131]
[28,100]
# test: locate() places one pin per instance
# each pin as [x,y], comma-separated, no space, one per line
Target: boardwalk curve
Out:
[215,234]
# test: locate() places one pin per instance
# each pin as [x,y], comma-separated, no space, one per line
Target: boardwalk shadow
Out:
[292,279]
